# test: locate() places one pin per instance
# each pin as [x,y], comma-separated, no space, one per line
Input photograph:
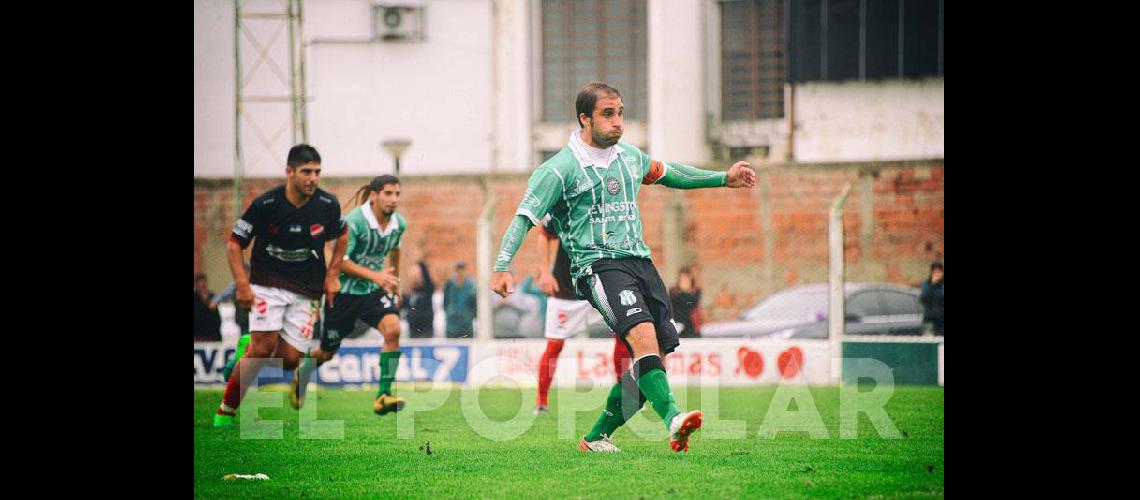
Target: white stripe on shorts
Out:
[600,297]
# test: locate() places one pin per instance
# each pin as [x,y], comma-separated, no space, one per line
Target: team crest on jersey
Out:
[316,230]
[612,185]
[627,298]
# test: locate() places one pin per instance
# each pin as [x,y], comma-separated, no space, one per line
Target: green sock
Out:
[306,361]
[389,362]
[655,386]
[613,415]
[242,343]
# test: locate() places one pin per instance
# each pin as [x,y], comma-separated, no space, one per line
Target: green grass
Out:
[370,460]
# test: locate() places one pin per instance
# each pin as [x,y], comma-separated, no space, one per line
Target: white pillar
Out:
[511,136]
[677,81]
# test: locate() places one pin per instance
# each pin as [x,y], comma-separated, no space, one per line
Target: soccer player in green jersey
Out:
[368,290]
[590,191]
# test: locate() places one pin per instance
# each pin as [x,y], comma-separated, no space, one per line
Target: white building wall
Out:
[466,96]
[437,93]
[213,88]
[865,121]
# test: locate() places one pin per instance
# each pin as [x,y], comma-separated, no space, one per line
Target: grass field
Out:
[370,460]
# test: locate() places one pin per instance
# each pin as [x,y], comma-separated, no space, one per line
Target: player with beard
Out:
[368,290]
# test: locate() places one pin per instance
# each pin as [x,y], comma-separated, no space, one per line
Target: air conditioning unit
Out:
[392,23]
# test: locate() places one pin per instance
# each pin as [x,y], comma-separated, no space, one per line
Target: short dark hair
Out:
[588,97]
[936,265]
[302,154]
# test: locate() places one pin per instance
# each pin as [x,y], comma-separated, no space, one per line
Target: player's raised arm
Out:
[681,176]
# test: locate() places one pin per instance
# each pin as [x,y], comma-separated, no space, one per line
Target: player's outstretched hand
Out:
[502,283]
[741,175]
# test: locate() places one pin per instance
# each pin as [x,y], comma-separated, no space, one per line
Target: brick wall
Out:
[722,230]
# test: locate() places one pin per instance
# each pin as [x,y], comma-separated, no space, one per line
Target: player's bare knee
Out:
[324,356]
[642,339]
[390,329]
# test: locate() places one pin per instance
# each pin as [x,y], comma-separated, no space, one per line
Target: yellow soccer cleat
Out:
[386,403]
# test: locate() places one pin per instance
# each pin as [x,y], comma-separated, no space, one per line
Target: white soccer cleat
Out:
[681,427]
[602,445]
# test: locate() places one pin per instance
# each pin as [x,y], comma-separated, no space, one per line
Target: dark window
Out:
[836,40]
[593,40]
[752,59]
[842,40]
[805,41]
[921,28]
[881,40]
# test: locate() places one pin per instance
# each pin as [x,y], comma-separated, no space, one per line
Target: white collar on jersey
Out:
[375,224]
[582,152]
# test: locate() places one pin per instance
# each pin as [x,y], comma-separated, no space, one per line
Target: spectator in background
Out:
[931,297]
[684,297]
[207,320]
[459,303]
[698,314]
[530,287]
[417,304]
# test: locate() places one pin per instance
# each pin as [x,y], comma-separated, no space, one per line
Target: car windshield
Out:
[804,306]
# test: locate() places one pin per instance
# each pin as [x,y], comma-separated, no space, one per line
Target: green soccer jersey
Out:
[594,207]
[368,245]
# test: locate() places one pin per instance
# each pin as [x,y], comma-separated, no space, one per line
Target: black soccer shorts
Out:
[340,321]
[628,292]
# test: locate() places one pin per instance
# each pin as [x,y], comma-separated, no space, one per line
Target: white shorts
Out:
[568,318]
[292,315]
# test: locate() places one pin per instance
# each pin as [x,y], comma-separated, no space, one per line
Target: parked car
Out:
[800,312]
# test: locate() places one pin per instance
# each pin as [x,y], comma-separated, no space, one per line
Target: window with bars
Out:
[752,59]
[840,40]
[588,40]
